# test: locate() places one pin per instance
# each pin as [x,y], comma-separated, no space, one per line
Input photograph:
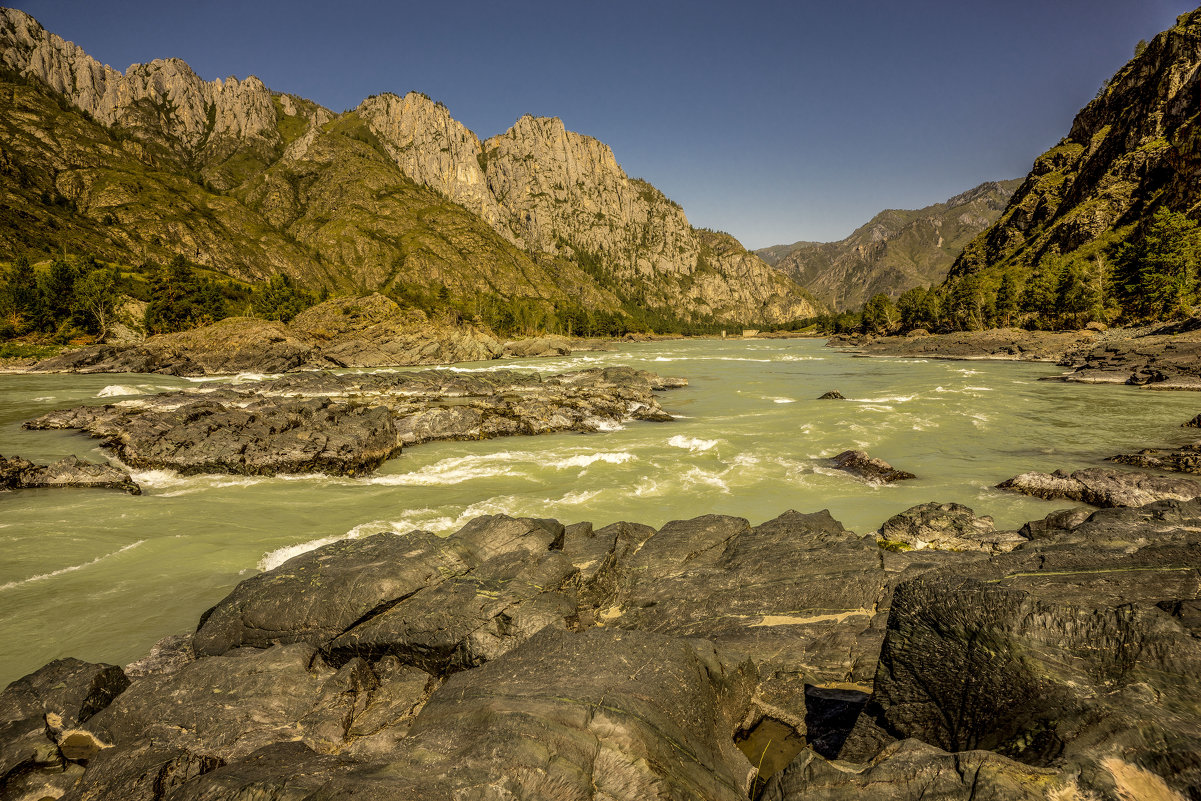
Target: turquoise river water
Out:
[101,575]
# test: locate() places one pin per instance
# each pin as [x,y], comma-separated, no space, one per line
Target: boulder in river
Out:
[832,395]
[18,473]
[868,468]
[1103,487]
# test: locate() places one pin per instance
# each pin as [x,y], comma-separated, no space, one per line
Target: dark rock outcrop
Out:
[946,527]
[1103,487]
[350,424]
[910,770]
[41,712]
[18,473]
[868,468]
[1060,654]
[832,395]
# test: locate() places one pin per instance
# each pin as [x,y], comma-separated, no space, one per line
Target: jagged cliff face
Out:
[895,251]
[155,161]
[559,193]
[1134,148]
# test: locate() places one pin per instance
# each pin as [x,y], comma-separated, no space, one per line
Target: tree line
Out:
[81,296]
[1154,275]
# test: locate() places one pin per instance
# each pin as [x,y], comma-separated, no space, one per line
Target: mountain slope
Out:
[895,251]
[1135,148]
[393,196]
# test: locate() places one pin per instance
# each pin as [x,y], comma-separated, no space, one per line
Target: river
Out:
[101,575]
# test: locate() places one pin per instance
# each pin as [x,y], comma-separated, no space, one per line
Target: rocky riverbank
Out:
[350,424]
[370,331]
[706,659]
[1163,357]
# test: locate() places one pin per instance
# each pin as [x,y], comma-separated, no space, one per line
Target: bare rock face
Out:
[436,150]
[213,116]
[553,191]
[946,527]
[1103,487]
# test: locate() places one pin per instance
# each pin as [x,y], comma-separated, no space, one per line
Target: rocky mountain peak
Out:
[164,94]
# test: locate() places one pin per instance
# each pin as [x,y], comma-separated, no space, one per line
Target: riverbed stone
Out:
[71,471]
[868,468]
[1103,487]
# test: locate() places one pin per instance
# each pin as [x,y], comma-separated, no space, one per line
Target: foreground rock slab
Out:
[18,473]
[521,658]
[350,424]
[1070,653]
[1103,487]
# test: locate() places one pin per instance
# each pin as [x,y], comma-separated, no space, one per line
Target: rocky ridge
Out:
[395,194]
[565,661]
[894,251]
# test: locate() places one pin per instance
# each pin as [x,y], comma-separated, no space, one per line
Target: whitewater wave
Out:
[886,399]
[71,569]
[587,459]
[692,444]
[782,400]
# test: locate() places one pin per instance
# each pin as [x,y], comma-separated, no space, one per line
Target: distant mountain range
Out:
[896,250]
[395,195]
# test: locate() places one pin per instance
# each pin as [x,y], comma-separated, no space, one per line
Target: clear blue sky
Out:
[774,121]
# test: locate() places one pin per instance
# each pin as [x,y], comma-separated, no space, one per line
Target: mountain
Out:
[1135,148]
[393,196]
[896,250]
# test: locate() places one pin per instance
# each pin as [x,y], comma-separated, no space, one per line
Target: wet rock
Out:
[1103,487]
[868,468]
[18,473]
[470,619]
[601,713]
[800,595]
[832,395]
[910,770]
[37,709]
[196,434]
[1185,459]
[350,424]
[945,527]
[1193,423]
[318,596]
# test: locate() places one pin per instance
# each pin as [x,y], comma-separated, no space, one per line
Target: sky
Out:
[774,121]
